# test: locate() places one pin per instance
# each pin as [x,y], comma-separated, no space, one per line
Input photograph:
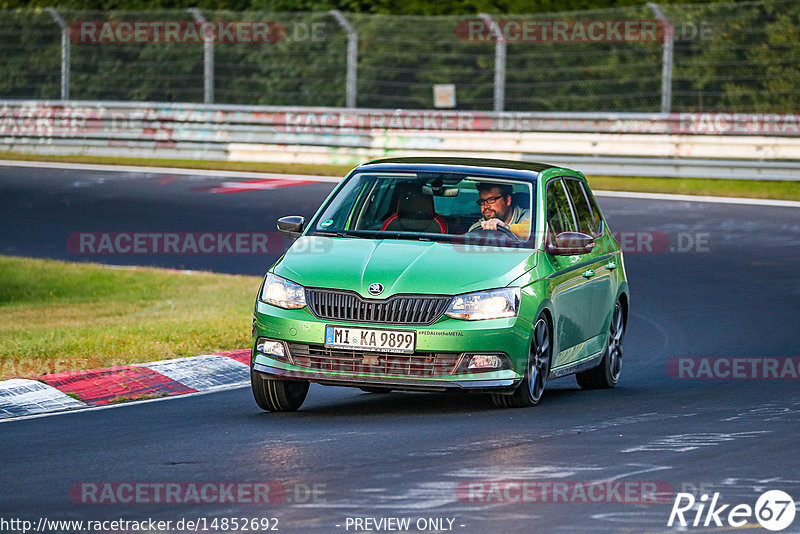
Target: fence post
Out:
[208,57]
[65,51]
[352,56]
[666,63]
[499,62]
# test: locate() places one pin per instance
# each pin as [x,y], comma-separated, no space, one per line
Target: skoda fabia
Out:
[430,274]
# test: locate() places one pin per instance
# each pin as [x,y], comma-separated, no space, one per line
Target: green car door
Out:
[571,287]
[600,270]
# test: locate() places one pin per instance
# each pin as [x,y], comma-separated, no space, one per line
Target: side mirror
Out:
[570,244]
[291,226]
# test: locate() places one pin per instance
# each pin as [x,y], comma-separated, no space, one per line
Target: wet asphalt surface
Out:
[725,285]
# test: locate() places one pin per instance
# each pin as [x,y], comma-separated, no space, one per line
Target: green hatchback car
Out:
[443,274]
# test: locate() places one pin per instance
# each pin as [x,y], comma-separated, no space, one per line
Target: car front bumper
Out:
[449,338]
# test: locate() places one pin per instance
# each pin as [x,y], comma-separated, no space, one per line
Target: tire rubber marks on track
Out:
[515,439]
[255,185]
[436,494]
[690,442]
[768,413]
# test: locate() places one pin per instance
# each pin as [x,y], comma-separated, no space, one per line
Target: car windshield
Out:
[430,206]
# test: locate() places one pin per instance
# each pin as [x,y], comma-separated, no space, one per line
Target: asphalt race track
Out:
[725,284]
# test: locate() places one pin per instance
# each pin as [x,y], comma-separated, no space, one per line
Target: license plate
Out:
[347,337]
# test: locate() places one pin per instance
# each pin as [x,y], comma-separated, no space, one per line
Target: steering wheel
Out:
[505,230]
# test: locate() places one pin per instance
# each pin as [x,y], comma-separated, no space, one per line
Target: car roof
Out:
[474,166]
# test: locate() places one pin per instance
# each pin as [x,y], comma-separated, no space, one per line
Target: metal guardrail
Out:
[751,146]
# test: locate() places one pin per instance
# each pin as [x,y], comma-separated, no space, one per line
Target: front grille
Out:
[418,364]
[348,306]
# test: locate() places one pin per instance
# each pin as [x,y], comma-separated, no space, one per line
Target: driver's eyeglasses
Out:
[489,200]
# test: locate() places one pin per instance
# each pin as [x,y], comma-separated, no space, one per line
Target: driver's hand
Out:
[492,224]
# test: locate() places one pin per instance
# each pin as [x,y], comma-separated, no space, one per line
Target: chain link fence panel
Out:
[725,57]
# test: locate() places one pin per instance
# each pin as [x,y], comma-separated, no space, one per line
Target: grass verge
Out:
[247,166]
[60,316]
[775,190]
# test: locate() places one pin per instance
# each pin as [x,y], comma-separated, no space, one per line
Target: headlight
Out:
[492,304]
[282,293]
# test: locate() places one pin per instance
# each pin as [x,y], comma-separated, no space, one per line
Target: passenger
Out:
[498,210]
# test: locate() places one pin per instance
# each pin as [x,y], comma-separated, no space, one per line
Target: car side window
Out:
[595,212]
[559,212]
[583,211]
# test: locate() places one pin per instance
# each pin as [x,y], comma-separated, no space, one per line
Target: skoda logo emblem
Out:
[375,289]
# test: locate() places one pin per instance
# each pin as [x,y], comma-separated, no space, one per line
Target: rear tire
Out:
[274,395]
[530,391]
[606,375]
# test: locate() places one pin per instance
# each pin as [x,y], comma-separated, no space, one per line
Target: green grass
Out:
[776,190]
[59,316]
[249,166]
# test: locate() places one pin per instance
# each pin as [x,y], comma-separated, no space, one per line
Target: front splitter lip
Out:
[495,385]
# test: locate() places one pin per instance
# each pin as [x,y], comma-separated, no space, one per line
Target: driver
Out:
[498,210]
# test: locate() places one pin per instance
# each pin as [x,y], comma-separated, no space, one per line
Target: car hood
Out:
[401,266]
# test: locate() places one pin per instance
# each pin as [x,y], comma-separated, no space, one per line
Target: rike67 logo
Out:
[774,510]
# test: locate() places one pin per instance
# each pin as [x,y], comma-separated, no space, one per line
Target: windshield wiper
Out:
[409,236]
[335,234]
[460,239]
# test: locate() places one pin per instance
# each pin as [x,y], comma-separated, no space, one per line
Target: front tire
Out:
[274,395]
[606,375]
[530,391]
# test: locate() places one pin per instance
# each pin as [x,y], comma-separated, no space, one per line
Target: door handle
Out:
[611,265]
[588,274]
